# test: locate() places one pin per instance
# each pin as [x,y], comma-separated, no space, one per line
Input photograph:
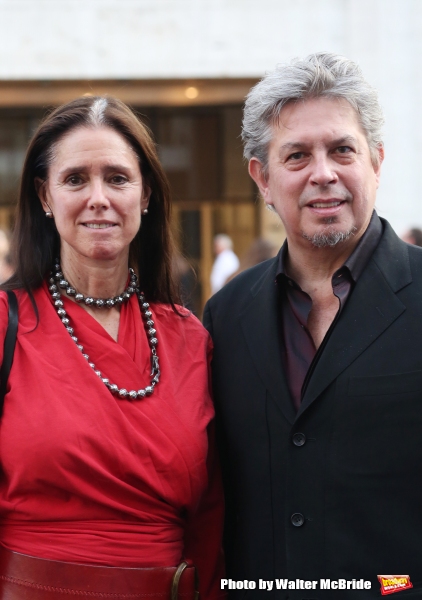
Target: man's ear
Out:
[256,171]
[378,162]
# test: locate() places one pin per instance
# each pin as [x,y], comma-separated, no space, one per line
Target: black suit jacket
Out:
[354,474]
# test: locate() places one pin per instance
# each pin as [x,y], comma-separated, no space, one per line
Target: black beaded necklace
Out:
[57,281]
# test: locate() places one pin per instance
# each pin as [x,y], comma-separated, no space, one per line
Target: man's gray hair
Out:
[320,75]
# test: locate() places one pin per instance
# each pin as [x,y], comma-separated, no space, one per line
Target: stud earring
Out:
[49,212]
[145,211]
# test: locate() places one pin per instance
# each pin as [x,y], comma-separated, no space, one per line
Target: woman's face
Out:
[96,194]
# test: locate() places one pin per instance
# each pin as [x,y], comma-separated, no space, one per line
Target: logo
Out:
[394,583]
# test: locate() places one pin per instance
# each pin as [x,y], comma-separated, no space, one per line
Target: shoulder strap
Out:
[9,345]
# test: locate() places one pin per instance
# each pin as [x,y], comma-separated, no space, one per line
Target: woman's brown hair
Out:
[36,241]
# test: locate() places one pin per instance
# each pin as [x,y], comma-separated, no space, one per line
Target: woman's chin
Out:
[104,255]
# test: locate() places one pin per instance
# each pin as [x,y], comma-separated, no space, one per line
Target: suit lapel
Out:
[372,307]
[260,325]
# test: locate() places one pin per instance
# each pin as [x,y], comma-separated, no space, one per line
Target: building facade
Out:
[186,66]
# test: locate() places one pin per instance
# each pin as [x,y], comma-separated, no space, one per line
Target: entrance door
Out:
[196,225]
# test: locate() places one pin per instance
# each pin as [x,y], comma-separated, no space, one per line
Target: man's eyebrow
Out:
[295,146]
[347,139]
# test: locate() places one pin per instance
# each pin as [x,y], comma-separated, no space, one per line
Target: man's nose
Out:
[323,171]
[98,195]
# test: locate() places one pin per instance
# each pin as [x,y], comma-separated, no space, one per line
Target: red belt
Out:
[28,578]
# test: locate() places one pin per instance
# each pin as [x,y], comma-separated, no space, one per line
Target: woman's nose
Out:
[98,196]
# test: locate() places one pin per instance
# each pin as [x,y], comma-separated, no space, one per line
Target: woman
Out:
[104,445]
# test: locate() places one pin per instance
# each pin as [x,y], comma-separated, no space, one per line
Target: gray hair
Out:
[97,111]
[320,75]
[95,117]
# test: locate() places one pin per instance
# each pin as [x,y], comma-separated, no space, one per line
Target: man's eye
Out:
[344,149]
[296,156]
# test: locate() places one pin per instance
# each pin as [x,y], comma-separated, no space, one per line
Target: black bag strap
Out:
[9,345]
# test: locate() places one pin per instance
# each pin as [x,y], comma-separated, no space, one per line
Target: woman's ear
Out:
[40,188]
[146,195]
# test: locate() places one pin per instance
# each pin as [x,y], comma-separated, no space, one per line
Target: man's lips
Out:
[325,203]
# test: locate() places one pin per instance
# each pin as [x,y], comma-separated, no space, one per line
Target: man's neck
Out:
[313,267]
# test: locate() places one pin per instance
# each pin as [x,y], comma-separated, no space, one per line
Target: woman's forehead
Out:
[85,143]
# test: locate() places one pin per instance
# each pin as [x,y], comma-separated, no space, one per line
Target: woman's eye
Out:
[119,179]
[74,180]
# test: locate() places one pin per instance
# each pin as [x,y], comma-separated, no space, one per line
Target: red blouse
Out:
[90,478]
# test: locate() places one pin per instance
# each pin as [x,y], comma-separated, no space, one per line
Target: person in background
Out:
[6,264]
[109,482]
[257,252]
[413,236]
[185,276]
[226,262]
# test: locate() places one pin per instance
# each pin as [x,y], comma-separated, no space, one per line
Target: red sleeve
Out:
[204,528]
[4,321]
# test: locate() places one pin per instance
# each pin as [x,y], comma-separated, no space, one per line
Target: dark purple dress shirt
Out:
[298,349]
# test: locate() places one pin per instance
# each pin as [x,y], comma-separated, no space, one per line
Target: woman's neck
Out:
[97,279]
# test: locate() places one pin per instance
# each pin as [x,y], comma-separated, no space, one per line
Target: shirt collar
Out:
[357,261]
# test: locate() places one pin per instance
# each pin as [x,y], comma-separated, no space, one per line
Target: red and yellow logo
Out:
[394,583]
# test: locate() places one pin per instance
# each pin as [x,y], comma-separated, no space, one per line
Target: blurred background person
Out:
[185,277]
[225,264]
[257,252]
[413,236]
[6,266]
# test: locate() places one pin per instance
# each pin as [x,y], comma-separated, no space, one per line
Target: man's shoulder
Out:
[400,263]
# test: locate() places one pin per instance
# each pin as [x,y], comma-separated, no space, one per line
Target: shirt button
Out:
[299,439]
[297,519]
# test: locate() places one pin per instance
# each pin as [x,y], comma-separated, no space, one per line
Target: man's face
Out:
[320,178]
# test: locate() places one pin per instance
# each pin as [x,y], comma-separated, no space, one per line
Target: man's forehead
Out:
[338,141]
[333,118]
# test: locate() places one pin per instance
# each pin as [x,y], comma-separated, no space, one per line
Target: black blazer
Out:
[334,491]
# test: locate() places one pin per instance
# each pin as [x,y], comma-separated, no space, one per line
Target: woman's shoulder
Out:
[180,319]
[27,314]
[4,312]
[4,304]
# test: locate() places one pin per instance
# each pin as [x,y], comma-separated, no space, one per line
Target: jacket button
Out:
[299,439]
[297,519]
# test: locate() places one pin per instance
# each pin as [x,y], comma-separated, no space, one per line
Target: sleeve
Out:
[4,319]
[204,528]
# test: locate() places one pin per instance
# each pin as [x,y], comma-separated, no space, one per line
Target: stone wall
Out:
[133,39]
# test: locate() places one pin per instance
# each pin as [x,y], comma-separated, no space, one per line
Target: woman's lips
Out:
[98,225]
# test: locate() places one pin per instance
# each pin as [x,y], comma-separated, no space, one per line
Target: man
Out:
[226,262]
[317,368]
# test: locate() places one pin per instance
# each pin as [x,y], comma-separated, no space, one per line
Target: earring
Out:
[145,211]
[49,212]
